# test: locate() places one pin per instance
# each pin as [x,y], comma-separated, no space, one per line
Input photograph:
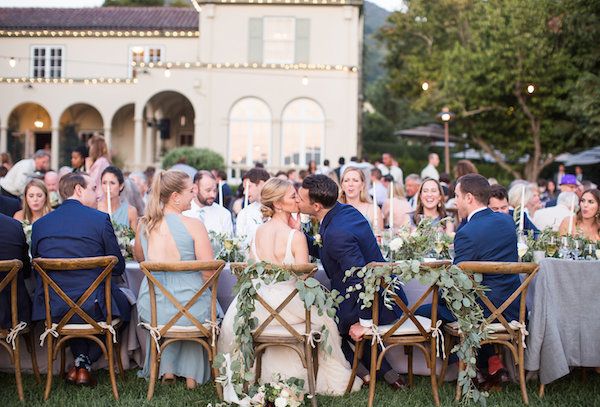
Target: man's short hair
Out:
[413,177]
[499,192]
[326,163]
[82,151]
[321,189]
[341,161]
[202,174]
[255,175]
[68,182]
[476,185]
[376,172]
[40,154]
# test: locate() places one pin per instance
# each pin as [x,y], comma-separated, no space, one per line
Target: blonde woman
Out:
[354,192]
[35,202]
[276,242]
[164,234]
[97,161]
[401,206]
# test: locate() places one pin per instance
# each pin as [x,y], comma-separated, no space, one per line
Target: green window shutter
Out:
[255,42]
[302,40]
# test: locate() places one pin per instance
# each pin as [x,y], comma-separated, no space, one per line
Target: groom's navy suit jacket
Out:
[348,241]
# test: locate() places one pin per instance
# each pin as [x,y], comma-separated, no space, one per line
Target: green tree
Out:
[479,58]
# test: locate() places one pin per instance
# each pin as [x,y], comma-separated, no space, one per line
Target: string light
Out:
[103,33]
[305,80]
[530,89]
[244,65]
[167,73]
[12,62]
[425,85]
[86,81]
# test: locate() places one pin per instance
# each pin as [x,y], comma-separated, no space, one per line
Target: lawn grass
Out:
[570,391]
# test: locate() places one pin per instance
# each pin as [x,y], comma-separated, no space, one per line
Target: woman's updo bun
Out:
[273,191]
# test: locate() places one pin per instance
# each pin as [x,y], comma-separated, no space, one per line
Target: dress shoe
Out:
[480,379]
[71,376]
[85,378]
[399,384]
[501,377]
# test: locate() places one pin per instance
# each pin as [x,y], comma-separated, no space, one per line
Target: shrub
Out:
[199,158]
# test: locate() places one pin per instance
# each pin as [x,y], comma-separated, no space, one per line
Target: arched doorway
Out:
[122,126]
[29,129]
[77,123]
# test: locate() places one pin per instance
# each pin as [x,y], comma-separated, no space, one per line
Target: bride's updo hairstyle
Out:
[273,191]
[163,186]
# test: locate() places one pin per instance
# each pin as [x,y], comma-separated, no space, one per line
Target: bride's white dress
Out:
[334,370]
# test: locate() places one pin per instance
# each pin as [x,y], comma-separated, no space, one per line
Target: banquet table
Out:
[564,329]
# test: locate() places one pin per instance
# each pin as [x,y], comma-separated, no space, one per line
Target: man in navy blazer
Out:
[347,241]
[9,205]
[76,230]
[13,246]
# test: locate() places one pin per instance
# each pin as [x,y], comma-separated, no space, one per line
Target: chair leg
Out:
[120,362]
[30,341]
[258,369]
[433,372]
[373,373]
[409,352]
[461,367]
[522,383]
[111,364]
[447,347]
[357,351]
[50,345]
[62,361]
[18,378]
[310,370]
[153,370]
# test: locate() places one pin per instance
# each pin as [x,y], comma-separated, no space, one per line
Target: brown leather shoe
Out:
[85,378]
[71,376]
[399,384]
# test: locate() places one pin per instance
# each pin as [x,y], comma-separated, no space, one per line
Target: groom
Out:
[347,241]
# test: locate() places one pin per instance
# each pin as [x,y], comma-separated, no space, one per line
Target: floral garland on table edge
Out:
[228,248]
[125,237]
[456,288]
[310,292]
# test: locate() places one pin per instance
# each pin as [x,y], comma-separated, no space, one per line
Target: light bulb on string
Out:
[305,80]
[530,89]
[12,62]
[425,85]
[167,73]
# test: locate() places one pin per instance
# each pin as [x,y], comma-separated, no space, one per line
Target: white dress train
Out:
[334,370]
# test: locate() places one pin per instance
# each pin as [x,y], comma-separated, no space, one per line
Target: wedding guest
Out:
[214,217]
[13,184]
[568,183]
[390,166]
[292,175]
[579,173]
[75,230]
[35,202]
[498,201]
[312,167]
[553,216]
[51,182]
[430,205]
[97,161]
[412,184]
[13,246]
[401,206]
[139,179]
[131,195]
[586,223]
[324,169]
[378,191]
[531,201]
[560,173]
[164,234]
[551,191]
[6,161]
[121,212]
[221,177]
[282,175]
[9,206]
[338,169]
[250,217]
[78,157]
[354,192]
[430,171]
[301,175]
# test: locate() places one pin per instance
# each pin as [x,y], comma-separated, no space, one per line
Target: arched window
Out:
[302,132]
[249,132]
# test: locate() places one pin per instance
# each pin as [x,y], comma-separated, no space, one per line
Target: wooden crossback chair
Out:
[502,332]
[64,331]
[203,332]
[408,331]
[280,333]
[9,338]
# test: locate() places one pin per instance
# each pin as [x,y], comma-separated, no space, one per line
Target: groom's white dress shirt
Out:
[215,217]
[248,220]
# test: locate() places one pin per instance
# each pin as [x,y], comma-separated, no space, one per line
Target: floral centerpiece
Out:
[426,240]
[27,227]
[126,238]
[228,248]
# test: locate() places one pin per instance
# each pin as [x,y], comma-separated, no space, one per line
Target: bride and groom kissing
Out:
[347,241]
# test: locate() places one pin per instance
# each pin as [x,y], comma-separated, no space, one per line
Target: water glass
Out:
[590,251]
[576,249]
[564,250]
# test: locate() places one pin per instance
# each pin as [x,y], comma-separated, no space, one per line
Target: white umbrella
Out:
[591,156]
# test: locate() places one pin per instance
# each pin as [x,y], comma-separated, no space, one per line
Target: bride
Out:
[275,242]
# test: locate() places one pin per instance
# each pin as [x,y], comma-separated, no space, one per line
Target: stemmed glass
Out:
[438,244]
[522,245]
[590,251]
[576,249]
[551,246]
[564,251]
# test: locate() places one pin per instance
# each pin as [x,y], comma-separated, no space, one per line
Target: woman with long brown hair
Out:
[430,205]
[164,234]
[35,202]
[353,192]
[586,223]
[97,161]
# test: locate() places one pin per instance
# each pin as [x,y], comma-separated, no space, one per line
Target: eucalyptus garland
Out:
[456,287]
[249,281]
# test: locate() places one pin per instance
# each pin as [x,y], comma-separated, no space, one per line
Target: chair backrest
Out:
[303,270]
[12,268]
[409,313]
[489,267]
[43,265]
[149,267]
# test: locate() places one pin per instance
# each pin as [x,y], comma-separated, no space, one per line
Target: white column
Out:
[54,148]
[137,142]
[149,145]
[276,144]
[108,137]
[3,139]
[198,134]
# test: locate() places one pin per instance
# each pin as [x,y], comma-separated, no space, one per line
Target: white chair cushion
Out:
[496,327]
[184,328]
[408,327]
[103,324]
[279,330]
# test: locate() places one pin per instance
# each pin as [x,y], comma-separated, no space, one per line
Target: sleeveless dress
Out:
[121,215]
[334,369]
[183,358]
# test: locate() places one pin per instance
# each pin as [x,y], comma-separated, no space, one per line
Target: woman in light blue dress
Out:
[164,234]
[113,182]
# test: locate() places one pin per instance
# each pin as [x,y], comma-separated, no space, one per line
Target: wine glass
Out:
[438,244]
[551,246]
[451,251]
[576,249]
[522,245]
[590,251]
[563,251]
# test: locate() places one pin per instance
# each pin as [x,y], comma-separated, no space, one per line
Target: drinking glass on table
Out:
[564,250]
[551,246]
[590,251]
[451,251]
[438,244]
[522,245]
[576,249]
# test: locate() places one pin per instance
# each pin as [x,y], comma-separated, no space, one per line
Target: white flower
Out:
[284,393]
[281,402]
[396,244]
[259,398]
[318,240]
[304,218]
